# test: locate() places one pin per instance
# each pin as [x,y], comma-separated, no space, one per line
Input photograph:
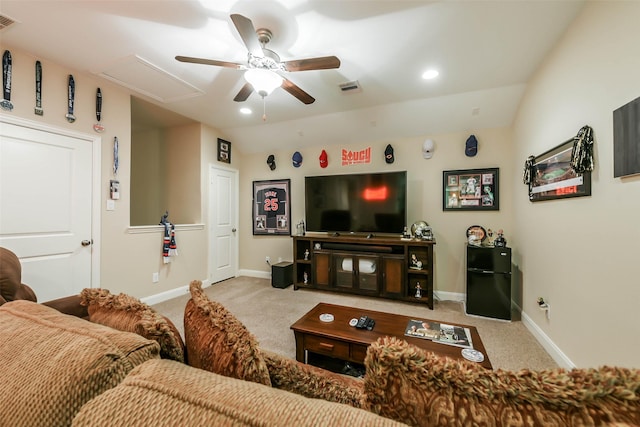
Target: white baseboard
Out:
[449,296]
[554,351]
[255,273]
[172,293]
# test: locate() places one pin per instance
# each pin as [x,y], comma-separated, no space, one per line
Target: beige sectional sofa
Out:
[128,365]
[60,370]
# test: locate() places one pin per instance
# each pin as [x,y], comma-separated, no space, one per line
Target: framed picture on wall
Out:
[224,151]
[553,178]
[271,207]
[471,190]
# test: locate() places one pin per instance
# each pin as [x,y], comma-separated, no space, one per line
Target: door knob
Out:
[233,230]
[85,242]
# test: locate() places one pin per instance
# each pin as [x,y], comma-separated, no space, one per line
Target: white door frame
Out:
[96,144]
[236,254]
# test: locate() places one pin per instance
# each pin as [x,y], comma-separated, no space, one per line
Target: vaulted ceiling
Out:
[486,52]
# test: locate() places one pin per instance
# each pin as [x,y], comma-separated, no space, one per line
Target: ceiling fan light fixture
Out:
[430,74]
[263,81]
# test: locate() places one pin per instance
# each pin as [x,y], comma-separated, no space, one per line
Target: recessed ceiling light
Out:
[430,74]
[245,110]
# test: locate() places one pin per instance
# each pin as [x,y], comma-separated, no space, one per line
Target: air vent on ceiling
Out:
[350,87]
[6,22]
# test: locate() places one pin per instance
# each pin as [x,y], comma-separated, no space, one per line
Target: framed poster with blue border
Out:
[271,207]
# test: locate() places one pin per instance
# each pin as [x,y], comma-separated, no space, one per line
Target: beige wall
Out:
[424,194]
[581,254]
[148,199]
[182,174]
[128,257]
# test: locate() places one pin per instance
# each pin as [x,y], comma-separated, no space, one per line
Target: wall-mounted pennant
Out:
[38,108]
[98,126]
[6,81]
[71,94]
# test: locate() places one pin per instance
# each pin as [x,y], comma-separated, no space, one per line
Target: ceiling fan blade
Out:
[320,63]
[215,62]
[244,93]
[248,34]
[295,90]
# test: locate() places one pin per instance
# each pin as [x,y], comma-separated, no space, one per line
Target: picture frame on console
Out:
[271,207]
[471,190]
[553,178]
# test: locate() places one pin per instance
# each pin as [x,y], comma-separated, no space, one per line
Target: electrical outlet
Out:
[267,259]
[155,278]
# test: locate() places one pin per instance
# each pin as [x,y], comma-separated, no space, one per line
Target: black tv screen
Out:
[626,139]
[357,203]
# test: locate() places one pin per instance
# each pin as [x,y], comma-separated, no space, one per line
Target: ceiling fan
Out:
[263,64]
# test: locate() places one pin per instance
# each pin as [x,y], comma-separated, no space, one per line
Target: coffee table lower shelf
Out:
[335,365]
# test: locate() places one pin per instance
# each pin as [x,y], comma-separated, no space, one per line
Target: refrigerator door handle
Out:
[479,270]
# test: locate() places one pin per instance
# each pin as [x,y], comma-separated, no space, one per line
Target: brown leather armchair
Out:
[11,286]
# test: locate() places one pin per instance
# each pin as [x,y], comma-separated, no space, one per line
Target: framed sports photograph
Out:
[271,207]
[471,190]
[224,151]
[553,178]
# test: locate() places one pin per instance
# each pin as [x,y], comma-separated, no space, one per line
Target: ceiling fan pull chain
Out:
[264,109]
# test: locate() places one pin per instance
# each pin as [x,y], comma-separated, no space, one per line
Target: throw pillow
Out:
[126,313]
[420,388]
[311,381]
[218,342]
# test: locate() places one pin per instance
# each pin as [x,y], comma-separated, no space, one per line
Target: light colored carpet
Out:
[269,312]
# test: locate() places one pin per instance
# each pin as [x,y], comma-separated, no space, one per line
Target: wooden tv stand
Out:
[385,267]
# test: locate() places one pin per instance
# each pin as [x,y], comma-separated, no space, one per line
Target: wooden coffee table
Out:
[339,340]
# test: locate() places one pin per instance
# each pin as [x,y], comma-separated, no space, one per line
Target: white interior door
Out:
[223,212]
[46,207]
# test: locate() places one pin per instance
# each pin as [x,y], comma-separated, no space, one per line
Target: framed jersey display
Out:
[271,207]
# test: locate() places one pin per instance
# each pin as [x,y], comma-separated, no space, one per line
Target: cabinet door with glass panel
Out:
[356,272]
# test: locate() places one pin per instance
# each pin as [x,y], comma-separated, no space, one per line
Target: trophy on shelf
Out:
[305,277]
[306,254]
[418,290]
[406,235]
[300,228]
[500,240]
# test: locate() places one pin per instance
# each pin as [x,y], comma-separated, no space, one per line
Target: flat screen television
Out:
[357,203]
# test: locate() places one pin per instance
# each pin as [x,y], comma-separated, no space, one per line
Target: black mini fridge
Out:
[489,281]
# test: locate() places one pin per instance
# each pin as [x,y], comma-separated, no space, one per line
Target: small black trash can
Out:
[282,274]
